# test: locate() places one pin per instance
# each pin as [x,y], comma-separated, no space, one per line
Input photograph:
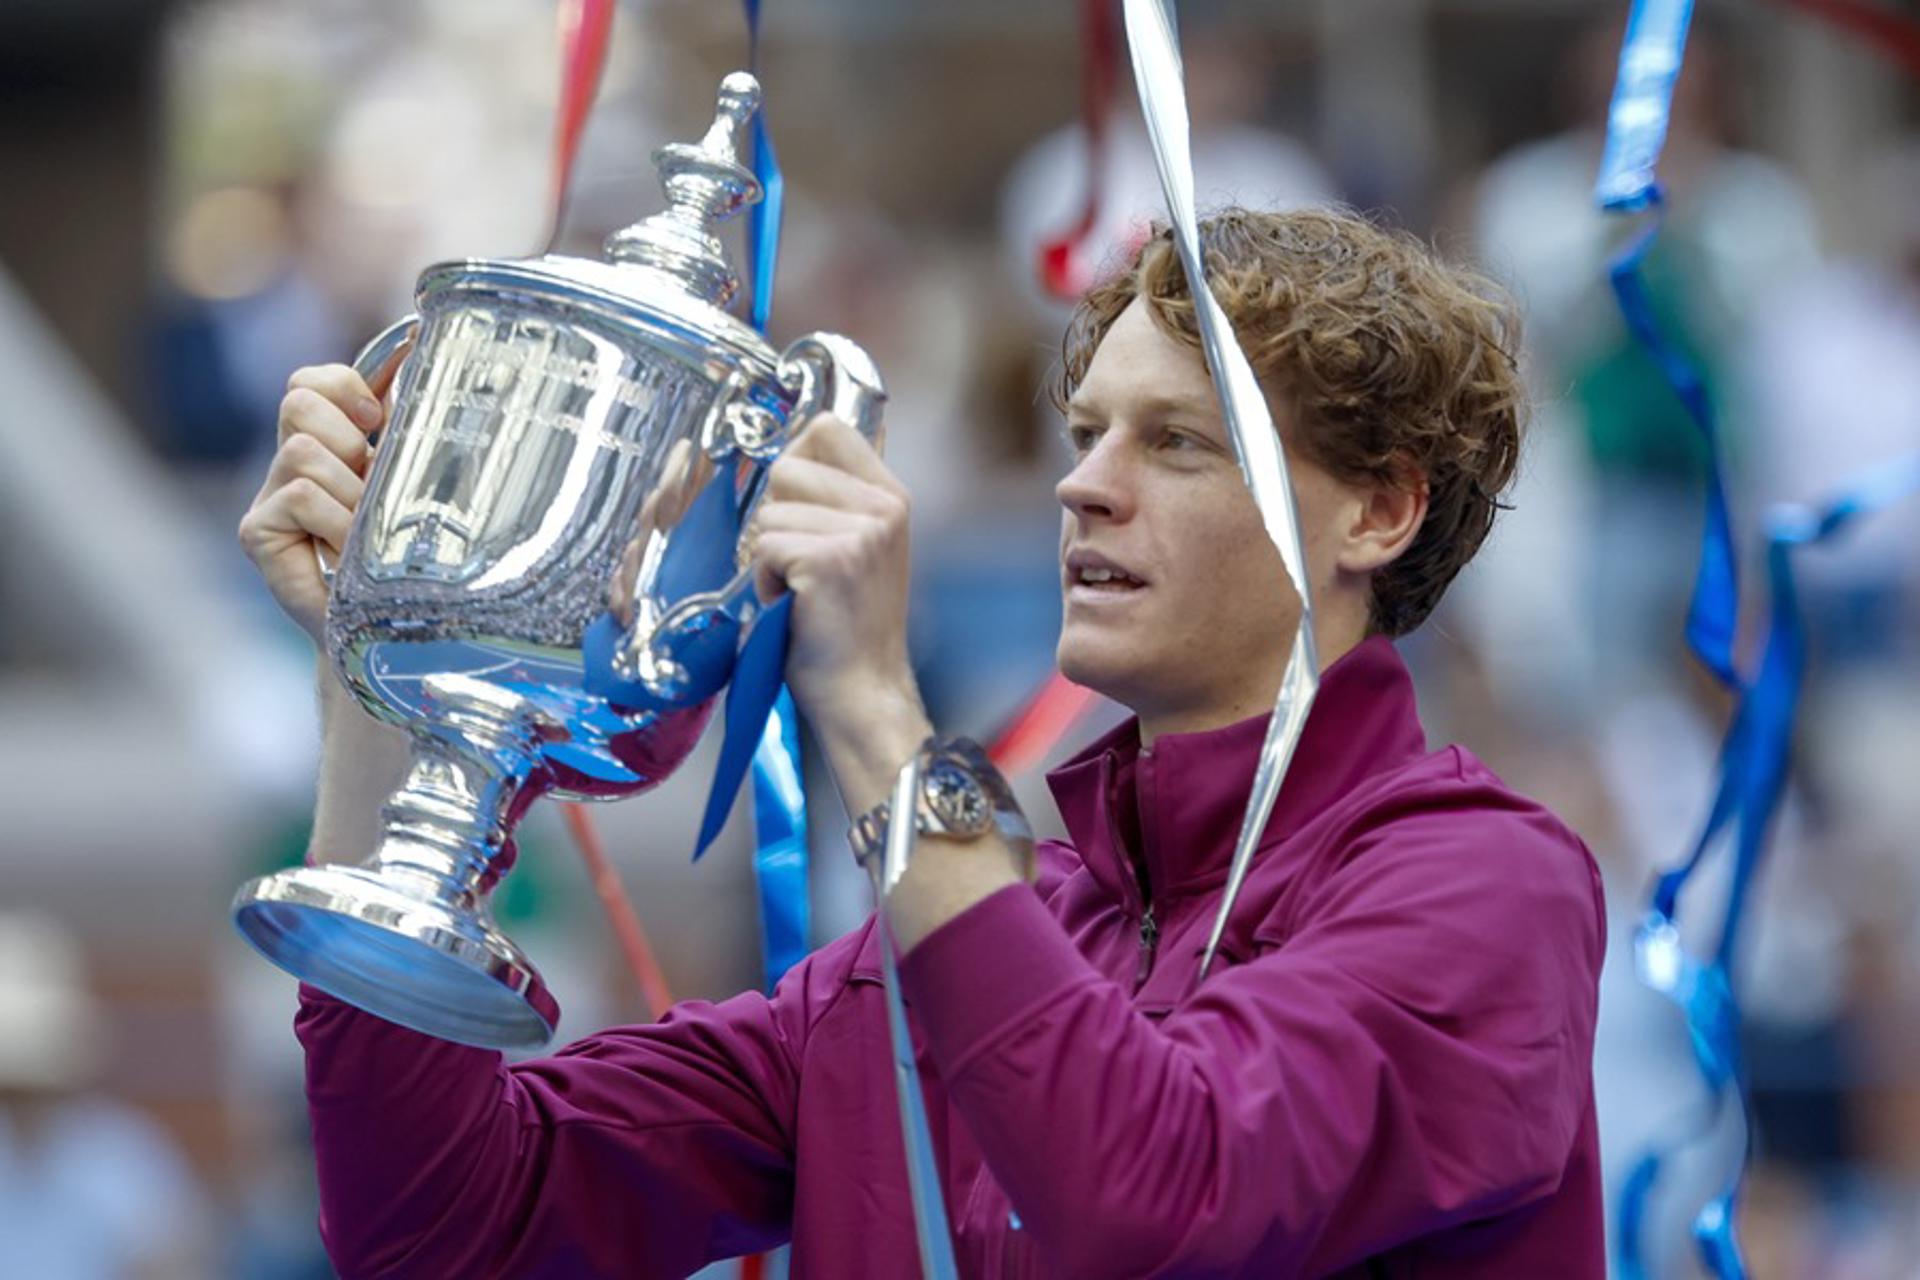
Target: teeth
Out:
[1107,575]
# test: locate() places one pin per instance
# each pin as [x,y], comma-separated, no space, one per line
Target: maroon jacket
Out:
[1387,1073]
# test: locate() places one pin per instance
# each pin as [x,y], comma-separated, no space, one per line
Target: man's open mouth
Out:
[1106,580]
[1092,575]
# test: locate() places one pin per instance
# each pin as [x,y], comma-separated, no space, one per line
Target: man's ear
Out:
[1387,515]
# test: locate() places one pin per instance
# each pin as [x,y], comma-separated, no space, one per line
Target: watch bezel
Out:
[952,798]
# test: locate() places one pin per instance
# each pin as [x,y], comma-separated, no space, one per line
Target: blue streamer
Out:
[712,520]
[751,696]
[760,711]
[763,220]
[763,226]
[1637,119]
[1642,103]
[1713,613]
[780,810]
[1753,771]
[780,829]
[760,719]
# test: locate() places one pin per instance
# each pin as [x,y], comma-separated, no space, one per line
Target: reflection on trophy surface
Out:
[544,581]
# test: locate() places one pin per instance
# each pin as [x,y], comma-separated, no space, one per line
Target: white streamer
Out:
[1155,45]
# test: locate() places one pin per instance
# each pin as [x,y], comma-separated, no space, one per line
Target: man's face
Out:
[1176,602]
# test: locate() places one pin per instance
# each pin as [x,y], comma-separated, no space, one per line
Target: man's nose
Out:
[1100,483]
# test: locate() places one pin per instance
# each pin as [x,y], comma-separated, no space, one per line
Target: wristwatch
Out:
[961,796]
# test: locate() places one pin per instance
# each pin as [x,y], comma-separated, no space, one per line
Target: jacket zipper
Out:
[1149,927]
[1149,941]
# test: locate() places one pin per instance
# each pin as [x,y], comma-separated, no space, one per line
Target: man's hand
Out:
[312,487]
[832,529]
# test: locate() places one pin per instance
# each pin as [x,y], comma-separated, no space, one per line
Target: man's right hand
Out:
[313,487]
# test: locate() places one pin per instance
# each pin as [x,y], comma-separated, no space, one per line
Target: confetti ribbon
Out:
[1154,41]
[930,1231]
[1713,612]
[585,29]
[1628,182]
[1650,62]
[1754,758]
[780,862]
[779,800]
[760,712]
[763,220]
[1037,728]
[1754,752]
[1650,57]
[1066,269]
[780,834]
[627,932]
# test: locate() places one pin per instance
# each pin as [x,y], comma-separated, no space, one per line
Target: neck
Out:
[1332,641]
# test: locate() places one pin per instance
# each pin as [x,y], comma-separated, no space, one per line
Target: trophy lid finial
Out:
[705,185]
[739,99]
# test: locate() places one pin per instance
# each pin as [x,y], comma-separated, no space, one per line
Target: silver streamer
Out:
[1154,41]
[930,1230]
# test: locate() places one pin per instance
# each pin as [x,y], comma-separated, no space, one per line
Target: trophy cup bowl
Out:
[544,581]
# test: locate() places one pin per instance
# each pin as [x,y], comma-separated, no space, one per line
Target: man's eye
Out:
[1082,438]
[1179,440]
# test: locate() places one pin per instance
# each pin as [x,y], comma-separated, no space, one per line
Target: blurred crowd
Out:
[302,162]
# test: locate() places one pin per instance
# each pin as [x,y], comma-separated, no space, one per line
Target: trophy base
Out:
[411,960]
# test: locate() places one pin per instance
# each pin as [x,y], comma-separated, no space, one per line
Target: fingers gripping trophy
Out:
[544,580]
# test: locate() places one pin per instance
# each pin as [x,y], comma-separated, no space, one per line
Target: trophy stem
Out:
[409,934]
[471,776]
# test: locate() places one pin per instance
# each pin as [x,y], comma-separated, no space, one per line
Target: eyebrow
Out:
[1153,405]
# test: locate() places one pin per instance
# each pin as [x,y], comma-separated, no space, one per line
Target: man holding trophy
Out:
[1386,1071]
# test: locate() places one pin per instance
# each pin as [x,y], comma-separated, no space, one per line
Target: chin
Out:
[1097,666]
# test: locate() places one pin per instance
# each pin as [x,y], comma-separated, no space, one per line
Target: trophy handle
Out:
[828,373]
[376,364]
[672,655]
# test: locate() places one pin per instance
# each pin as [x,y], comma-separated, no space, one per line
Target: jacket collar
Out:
[1190,790]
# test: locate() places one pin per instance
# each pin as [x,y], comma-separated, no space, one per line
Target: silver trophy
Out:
[544,581]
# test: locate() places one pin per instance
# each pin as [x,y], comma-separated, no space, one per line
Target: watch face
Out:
[956,799]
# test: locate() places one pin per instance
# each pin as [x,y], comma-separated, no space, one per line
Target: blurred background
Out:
[198,196]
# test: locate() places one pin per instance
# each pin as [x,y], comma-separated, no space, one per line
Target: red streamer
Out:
[585,30]
[626,925]
[1040,725]
[1066,270]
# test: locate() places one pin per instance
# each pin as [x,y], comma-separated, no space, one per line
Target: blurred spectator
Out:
[1832,388]
[241,306]
[89,1189]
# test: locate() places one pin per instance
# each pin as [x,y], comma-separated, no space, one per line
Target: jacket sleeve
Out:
[641,1151]
[1417,1055]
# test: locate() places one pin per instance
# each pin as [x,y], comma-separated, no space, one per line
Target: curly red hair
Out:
[1396,365]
